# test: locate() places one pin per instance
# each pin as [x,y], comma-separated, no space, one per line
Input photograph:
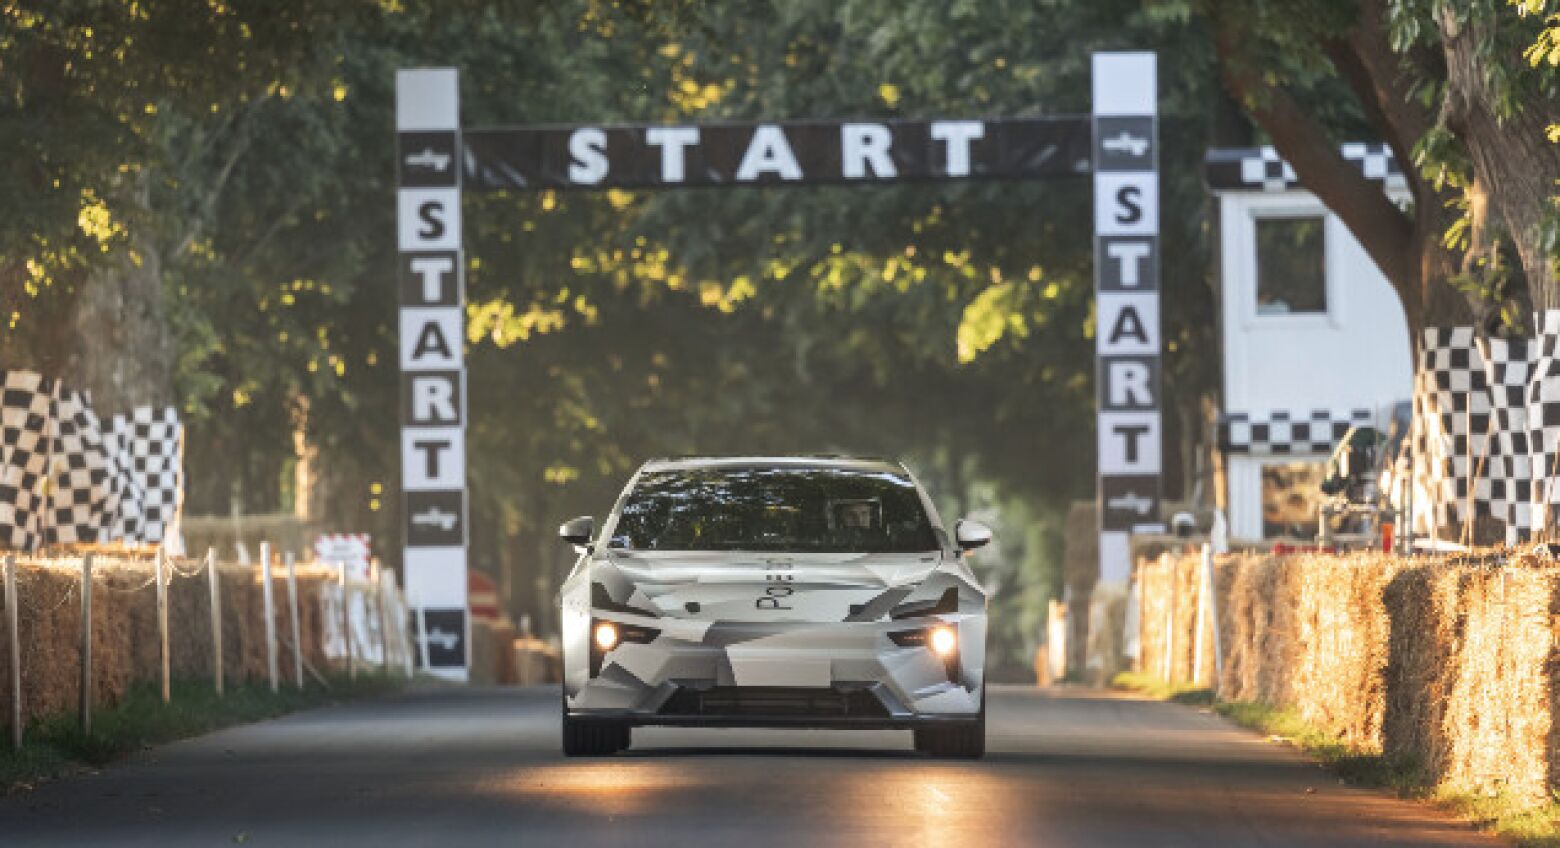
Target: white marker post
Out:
[213,582]
[269,594]
[292,603]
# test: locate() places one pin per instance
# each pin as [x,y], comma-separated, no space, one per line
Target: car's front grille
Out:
[773,702]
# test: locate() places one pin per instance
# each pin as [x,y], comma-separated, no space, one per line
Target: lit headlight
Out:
[943,640]
[606,635]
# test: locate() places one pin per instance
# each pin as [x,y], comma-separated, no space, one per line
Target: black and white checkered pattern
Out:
[84,489]
[1263,169]
[1451,422]
[1490,409]
[1508,468]
[1282,433]
[146,458]
[26,401]
[1543,419]
[120,483]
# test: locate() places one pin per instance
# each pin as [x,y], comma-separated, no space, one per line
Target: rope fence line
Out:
[355,622]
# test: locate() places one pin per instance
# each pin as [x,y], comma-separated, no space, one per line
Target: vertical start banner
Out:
[1126,288]
[431,270]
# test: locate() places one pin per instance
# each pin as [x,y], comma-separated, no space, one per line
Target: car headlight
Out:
[606,635]
[943,640]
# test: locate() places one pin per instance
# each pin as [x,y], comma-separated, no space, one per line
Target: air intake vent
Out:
[773,702]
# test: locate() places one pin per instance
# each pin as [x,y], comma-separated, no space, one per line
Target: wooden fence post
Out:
[346,620]
[268,593]
[214,583]
[1164,560]
[297,630]
[403,626]
[12,619]
[422,636]
[376,579]
[160,562]
[86,644]
[1197,635]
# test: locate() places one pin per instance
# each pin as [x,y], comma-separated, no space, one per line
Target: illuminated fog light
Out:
[943,640]
[606,635]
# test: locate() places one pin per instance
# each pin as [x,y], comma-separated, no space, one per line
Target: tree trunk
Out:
[1511,155]
[123,351]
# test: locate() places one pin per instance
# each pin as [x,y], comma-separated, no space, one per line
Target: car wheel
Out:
[583,737]
[962,739]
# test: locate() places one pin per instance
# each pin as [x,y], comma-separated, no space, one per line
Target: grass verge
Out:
[1512,818]
[1180,693]
[55,746]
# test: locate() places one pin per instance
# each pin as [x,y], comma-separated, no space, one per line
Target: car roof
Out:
[853,463]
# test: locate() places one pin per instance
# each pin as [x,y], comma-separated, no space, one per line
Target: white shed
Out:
[1313,336]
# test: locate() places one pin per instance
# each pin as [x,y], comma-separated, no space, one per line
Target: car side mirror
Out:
[971,534]
[578,531]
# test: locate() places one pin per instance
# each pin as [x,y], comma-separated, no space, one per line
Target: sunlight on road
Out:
[925,803]
[606,788]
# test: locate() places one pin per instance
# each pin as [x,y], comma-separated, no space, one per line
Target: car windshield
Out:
[774,509]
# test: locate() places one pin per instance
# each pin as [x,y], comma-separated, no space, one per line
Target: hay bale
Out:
[536,662]
[1450,666]
[126,646]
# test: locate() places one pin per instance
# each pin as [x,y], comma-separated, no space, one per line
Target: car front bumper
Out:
[836,674]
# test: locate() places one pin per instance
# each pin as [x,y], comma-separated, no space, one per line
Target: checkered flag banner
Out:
[1451,424]
[26,407]
[1488,410]
[65,478]
[1283,433]
[1262,169]
[1509,466]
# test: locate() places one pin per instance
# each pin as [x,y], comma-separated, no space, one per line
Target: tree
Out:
[1492,136]
[950,325]
[1305,71]
[124,122]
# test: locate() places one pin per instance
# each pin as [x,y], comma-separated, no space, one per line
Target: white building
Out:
[1314,338]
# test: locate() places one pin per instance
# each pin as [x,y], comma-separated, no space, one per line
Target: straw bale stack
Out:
[1448,666]
[125,642]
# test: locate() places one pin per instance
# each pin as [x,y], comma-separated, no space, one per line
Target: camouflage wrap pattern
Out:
[815,622]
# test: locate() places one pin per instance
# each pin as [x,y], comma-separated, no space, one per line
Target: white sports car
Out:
[762,592]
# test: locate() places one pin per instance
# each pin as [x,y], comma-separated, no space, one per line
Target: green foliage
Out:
[910,320]
[1153,687]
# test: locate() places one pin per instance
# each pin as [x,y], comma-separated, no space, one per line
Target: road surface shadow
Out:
[772,751]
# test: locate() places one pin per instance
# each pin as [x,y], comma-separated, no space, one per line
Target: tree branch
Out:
[1381,228]
[1364,58]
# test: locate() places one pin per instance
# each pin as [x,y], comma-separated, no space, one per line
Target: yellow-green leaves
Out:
[96,221]
[993,313]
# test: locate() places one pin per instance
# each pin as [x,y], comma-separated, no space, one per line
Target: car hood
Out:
[742,586]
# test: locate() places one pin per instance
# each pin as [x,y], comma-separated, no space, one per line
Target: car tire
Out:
[955,739]
[961,740]
[583,737]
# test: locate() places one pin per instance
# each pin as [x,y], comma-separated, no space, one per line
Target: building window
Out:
[1291,493]
[1291,266]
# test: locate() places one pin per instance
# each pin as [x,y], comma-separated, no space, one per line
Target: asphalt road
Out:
[454,767]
